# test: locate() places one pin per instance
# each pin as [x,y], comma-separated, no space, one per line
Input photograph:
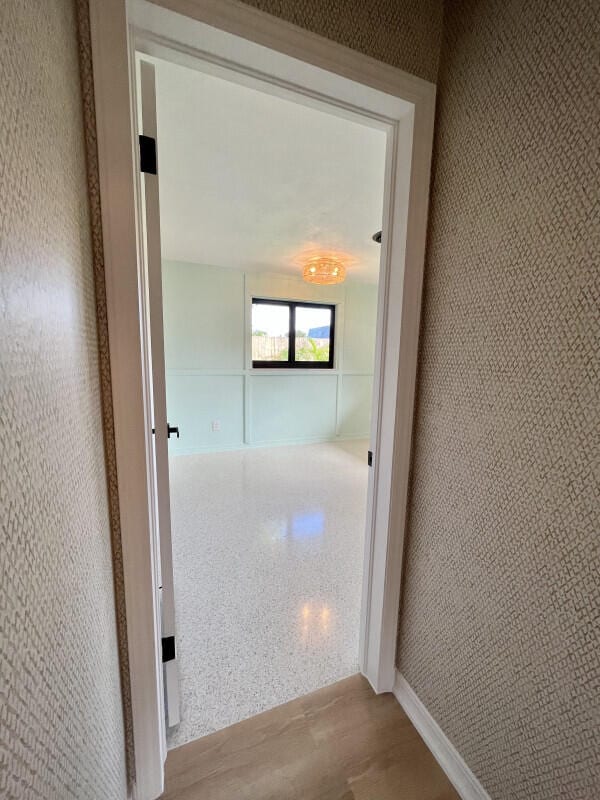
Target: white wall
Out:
[208,363]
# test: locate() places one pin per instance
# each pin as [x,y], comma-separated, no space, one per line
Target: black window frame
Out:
[291,363]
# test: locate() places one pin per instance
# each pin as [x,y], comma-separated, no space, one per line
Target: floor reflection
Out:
[308,525]
[315,621]
[304,525]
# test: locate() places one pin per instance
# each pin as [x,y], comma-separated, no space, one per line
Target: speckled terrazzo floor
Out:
[268,555]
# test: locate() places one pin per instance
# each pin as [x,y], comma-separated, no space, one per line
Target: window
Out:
[290,334]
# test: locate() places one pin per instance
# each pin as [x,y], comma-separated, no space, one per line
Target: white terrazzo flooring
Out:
[268,558]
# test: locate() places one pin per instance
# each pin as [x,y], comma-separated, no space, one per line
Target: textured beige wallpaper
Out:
[500,627]
[404,33]
[61,729]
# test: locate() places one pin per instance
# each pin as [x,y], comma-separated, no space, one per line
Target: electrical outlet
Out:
[215,425]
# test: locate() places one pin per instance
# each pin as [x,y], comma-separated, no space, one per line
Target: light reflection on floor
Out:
[307,525]
[315,620]
[268,550]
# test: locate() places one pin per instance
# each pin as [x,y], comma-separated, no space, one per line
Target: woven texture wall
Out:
[500,623]
[61,730]
[404,33]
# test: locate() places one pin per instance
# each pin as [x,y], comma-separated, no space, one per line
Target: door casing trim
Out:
[286,59]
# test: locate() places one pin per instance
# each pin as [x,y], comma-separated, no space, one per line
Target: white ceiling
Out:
[249,180]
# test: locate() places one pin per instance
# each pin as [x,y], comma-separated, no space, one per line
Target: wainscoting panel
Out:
[195,401]
[354,413]
[292,407]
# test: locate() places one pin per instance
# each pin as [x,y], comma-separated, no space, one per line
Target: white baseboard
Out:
[444,752]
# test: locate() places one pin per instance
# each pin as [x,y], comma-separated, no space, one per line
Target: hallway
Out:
[339,743]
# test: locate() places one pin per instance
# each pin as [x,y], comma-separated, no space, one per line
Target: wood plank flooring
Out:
[339,743]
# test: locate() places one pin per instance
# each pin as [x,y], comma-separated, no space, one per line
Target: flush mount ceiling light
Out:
[325,270]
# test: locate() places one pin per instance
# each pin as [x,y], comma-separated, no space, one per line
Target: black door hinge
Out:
[148,154]
[370,458]
[168,648]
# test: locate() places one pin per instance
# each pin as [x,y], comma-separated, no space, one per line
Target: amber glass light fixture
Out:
[325,270]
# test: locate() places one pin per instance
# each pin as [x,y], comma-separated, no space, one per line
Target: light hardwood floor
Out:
[339,743]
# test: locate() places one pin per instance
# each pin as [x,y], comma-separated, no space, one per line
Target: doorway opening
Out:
[269,277]
[252,48]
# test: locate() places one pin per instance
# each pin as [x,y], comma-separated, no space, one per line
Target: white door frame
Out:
[223,34]
[150,219]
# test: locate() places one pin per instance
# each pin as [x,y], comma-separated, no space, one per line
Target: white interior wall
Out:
[208,365]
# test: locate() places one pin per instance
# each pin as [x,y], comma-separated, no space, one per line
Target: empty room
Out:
[270,212]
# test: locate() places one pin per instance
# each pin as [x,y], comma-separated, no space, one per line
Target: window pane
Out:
[313,331]
[270,332]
